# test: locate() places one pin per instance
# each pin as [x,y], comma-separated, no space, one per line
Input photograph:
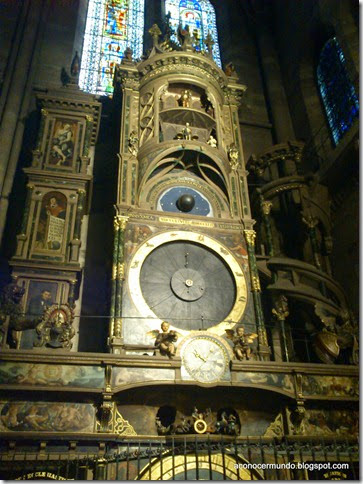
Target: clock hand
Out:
[199,356]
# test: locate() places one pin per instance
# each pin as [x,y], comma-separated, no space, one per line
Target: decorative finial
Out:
[209,42]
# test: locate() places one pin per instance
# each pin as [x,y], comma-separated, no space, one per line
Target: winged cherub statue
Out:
[242,342]
[165,339]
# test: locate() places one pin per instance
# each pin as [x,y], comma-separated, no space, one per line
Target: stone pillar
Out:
[281,311]
[276,97]
[266,206]
[120,222]
[16,103]
[263,348]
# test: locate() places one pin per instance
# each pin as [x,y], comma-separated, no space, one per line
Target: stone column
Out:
[120,222]
[263,348]
[16,103]
[280,311]
[266,206]
[76,241]
[276,96]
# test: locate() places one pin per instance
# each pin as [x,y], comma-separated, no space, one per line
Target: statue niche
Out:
[184,104]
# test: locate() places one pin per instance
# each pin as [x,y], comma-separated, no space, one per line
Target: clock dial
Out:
[205,359]
[188,279]
[183,199]
[188,285]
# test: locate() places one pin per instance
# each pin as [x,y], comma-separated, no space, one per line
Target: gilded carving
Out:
[266,206]
[242,342]
[250,237]
[280,309]
[118,327]
[233,156]
[122,426]
[276,428]
[55,329]
[255,283]
[120,222]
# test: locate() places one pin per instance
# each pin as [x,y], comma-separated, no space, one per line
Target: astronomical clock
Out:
[184,266]
[188,349]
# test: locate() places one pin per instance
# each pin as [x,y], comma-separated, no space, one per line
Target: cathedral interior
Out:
[179,266]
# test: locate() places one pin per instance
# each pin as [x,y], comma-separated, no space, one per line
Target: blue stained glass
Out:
[111,27]
[199,15]
[337,91]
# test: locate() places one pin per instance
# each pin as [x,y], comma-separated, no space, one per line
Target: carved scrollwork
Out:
[55,329]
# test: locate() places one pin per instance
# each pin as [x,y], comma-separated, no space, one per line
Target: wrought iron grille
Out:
[188,458]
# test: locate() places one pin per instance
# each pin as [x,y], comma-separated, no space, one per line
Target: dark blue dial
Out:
[168,201]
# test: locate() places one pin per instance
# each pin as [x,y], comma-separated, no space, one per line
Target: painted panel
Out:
[121,376]
[63,137]
[47,374]
[277,380]
[47,416]
[330,386]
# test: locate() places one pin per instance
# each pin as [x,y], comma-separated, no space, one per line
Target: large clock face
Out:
[188,285]
[189,280]
[205,359]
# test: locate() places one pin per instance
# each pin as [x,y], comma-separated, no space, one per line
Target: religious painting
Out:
[47,416]
[329,422]
[330,386]
[13,372]
[63,142]
[279,380]
[51,223]
[122,376]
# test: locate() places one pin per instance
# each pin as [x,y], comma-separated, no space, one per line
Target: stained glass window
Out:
[200,17]
[337,91]
[111,27]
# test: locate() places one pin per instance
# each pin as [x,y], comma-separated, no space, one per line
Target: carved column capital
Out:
[250,236]
[266,206]
[280,309]
[120,222]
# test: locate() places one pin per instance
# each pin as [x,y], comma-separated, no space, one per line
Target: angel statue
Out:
[165,340]
[242,342]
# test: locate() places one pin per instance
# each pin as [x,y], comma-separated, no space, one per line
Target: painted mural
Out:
[330,386]
[51,223]
[47,374]
[135,235]
[122,376]
[277,380]
[62,143]
[47,416]
[329,422]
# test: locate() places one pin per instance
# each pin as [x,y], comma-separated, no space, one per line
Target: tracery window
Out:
[111,27]
[200,17]
[337,91]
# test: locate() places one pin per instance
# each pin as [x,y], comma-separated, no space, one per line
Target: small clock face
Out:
[205,359]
